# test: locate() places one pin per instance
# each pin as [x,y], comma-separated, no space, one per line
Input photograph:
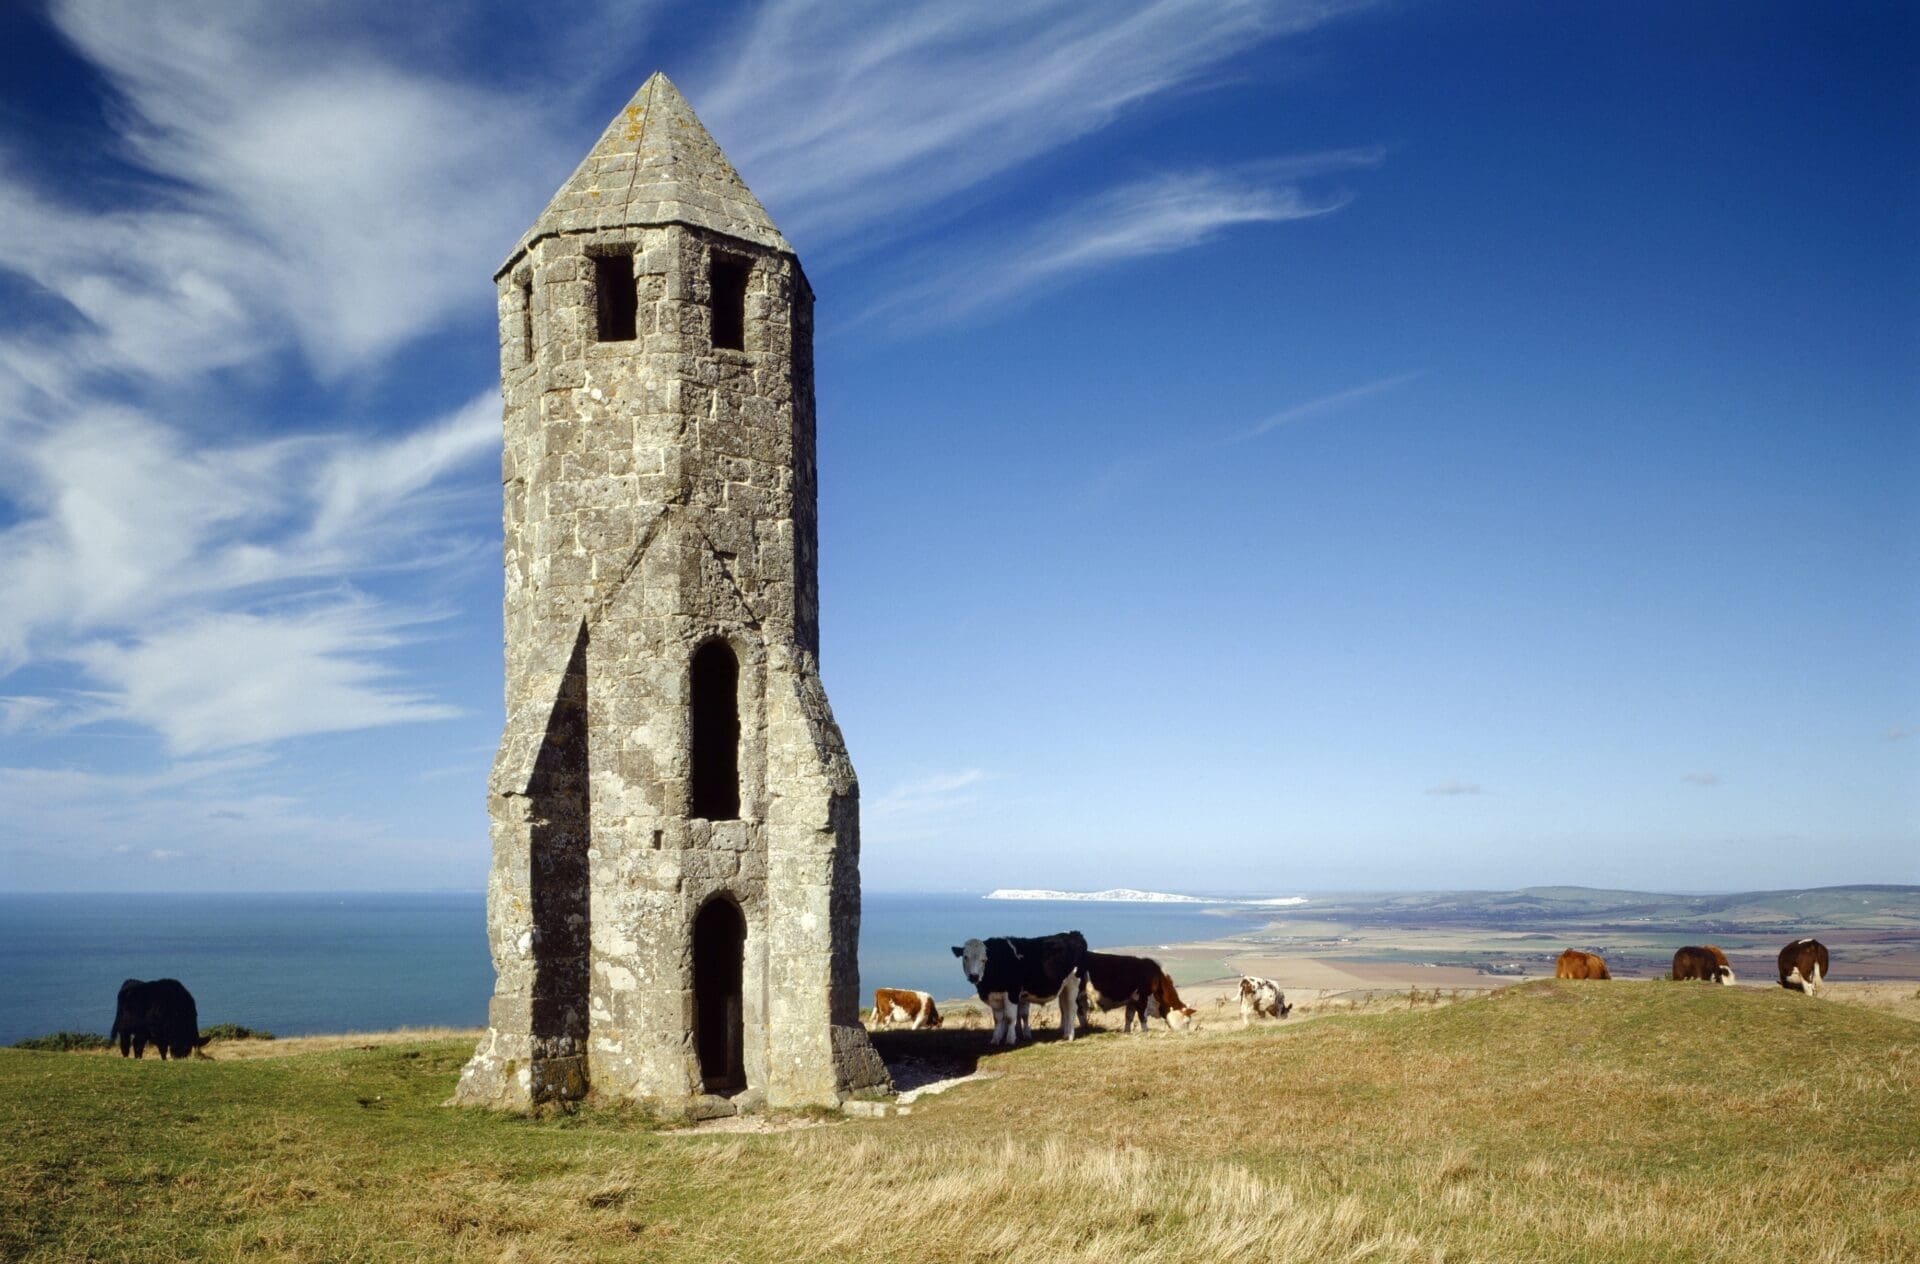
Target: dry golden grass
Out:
[1555,1122]
[290,1046]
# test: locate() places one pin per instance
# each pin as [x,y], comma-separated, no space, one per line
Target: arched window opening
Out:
[719,963]
[716,733]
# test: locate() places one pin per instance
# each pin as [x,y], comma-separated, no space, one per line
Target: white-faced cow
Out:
[1803,965]
[1707,964]
[1139,984]
[897,1005]
[1261,998]
[1010,972]
[161,1012]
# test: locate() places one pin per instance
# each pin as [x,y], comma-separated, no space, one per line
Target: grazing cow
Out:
[1139,984]
[1261,997]
[1707,964]
[1574,964]
[162,1012]
[1009,972]
[1803,965]
[897,1005]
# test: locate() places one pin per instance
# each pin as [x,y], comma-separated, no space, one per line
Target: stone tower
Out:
[674,905]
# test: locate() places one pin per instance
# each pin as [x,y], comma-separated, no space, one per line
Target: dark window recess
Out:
[719,968]
[716,733]
[616,302]
[526,319]
[728,282]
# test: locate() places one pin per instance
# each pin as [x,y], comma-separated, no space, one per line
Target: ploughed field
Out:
[1551,1121]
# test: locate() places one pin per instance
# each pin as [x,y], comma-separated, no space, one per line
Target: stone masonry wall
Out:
[659,493]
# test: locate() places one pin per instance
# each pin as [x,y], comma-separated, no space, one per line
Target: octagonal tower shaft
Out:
[674,902]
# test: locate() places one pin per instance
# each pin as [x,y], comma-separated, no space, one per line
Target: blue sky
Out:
[1263,447]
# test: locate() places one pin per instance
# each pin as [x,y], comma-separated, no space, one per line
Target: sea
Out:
[306,964]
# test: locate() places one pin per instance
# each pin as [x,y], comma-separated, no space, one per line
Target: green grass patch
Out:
[1550,1122]
[64,1042]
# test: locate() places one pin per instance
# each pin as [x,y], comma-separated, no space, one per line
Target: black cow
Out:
[162,1012]
[1009,972]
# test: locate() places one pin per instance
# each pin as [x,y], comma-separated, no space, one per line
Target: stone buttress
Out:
[674,903]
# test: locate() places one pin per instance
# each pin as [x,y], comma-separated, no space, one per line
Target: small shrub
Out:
[233,1031]
[64,1042]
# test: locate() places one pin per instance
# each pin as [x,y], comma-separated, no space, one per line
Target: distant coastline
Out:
[1127,895]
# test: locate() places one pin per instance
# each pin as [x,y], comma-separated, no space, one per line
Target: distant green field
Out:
[1561,1122]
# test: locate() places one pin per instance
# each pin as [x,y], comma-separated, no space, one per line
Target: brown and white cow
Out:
[1139,984]
[1803,965]
[898,1005]
[1707,964]
[1261,998]
[1574,964]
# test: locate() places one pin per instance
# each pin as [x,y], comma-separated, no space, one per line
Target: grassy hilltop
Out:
[1647,1122]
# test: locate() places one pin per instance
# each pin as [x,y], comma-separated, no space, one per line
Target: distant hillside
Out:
[1856,907]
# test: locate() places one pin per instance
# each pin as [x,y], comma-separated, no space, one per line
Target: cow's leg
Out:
[998,1003]
[126,1043]
[1022,1029]
[1794,981]
[1813,980]
[139,1044]
[1070,1007]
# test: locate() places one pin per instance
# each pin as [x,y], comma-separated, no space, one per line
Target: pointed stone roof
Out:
[655,164]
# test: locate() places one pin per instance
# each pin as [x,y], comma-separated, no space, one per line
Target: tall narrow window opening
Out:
[715,696]
[616,301]
[525,287]
[727,281]
[719,967]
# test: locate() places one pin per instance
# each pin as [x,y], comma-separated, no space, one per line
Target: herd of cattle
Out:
[1011,973]
[1803,965]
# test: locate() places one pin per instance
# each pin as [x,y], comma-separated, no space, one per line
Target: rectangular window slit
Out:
[526,319]
[616,301]
[727,282]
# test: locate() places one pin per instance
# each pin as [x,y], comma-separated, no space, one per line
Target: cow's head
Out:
[973,959]
[1183,1018]
[933,1014]
[1246,986]
[1280,1004]
[1723,974]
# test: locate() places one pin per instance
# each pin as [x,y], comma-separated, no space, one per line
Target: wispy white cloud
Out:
[72,828]
[165,572]
[1328,403]
[313,191]
[1157,215]
[1897,733]
[846,114]
[222,680]
[1704,780]
[916,808]
[1451,788]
